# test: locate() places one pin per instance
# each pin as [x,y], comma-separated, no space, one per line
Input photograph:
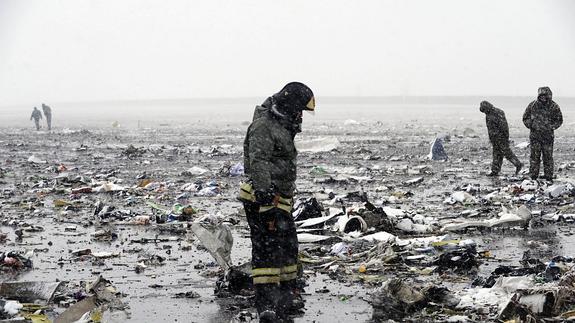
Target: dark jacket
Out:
[269,153]
[543,117]
[36,115]
[47,110]
[496,122]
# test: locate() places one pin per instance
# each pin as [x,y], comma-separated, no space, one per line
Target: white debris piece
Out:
[557,190]
[190,187]
[529,185]
[497,296]
[217,239]
[381,236]
[407,225]
[197,171]
[392,212]
[526,197]
[109,187]
[105,254]
[459,197]
[557,217]
[416,180]
[310,238]
[35,160]
[340,249]
[318,145]
[519,216]
[350,122]
[422,242]
[12,307]
[315,221]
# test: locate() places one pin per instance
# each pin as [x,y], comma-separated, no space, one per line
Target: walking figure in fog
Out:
[270,164]
[36,115]
[48,114]
[542,117]
[498,131]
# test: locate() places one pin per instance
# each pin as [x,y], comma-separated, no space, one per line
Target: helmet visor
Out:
[310,106]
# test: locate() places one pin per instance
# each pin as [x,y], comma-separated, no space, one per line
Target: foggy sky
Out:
[81,50]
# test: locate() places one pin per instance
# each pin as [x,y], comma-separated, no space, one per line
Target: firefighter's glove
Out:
[264,197]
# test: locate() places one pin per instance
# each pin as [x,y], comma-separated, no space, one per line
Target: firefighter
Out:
[270,165]
[542,117]
[498,132]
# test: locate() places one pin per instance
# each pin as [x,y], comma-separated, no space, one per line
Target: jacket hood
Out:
[545,91]
[486,107]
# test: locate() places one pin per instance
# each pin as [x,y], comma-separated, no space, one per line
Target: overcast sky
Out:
[81,50]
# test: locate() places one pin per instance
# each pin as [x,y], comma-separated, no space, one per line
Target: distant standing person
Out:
[36,115]
[542,116]
[498,131]
[48,114]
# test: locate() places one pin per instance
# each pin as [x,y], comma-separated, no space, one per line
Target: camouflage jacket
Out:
[497,127]
[541,118]
[36,114]
[270,154]
[47,110]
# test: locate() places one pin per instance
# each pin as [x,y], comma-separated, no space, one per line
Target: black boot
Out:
[266,301]
[290,302]
[268,316]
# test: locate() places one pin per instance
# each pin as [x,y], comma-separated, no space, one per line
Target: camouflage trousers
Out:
[49,120]
[541,145]
[501,150]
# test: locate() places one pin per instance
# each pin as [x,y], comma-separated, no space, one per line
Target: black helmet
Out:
[294,98]
[289,103]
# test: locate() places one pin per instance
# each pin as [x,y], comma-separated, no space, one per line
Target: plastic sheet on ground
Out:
[318,145]
[217,239]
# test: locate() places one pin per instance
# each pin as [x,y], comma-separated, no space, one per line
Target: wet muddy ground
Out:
[378,151]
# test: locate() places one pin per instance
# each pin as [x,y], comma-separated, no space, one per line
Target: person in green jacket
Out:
[498,131]
[270,165]
[48,114]
[542,117]
[36,115]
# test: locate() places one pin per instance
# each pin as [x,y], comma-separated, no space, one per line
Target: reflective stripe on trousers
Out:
[274,275]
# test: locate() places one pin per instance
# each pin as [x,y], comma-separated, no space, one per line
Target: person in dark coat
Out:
[542,117]
[36,115]
[498,131]
[270,165]
[48,114]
